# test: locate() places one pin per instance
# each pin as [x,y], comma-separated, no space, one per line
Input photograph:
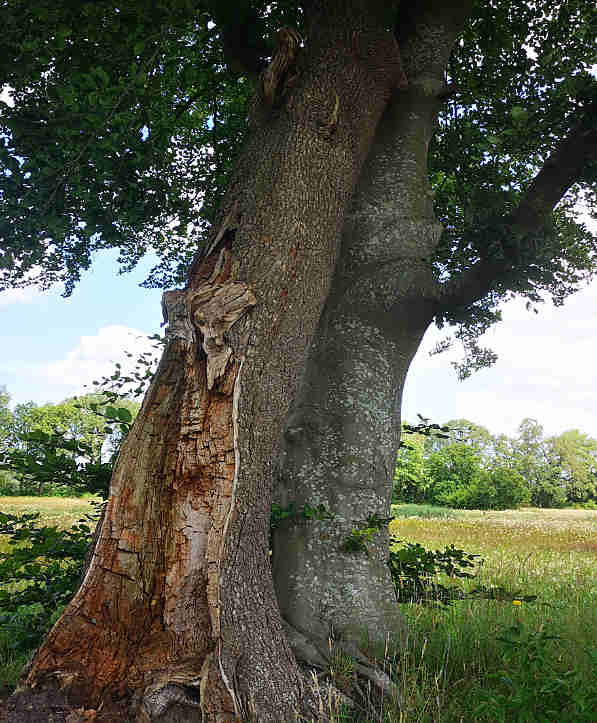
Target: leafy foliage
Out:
[363,534]
[125,124]
[470,468]
[39,574]
[65,448]
[415,570]
[57,462]
[69,448]
[307,512]
[522,76]
[532,685]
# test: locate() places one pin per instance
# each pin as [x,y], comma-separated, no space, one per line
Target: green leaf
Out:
[518,113]
[124,415]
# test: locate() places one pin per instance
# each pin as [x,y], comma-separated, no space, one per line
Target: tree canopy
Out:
[127,120]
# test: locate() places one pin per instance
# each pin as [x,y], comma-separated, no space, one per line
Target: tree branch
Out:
[243,54]
[243,37]
[561,170]
[415,13]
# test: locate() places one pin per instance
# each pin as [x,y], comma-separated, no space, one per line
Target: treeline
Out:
[69,449]
[63,449]
[464,466]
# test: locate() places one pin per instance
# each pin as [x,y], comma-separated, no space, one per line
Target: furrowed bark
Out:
[341,436]
[177,617]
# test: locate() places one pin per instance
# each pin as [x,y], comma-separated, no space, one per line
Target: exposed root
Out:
[320,654]
[322,698]
[159,701]
[364,667]
[304,648]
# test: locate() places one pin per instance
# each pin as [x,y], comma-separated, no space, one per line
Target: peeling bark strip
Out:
[178,607]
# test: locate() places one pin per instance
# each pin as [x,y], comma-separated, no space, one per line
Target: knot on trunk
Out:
[277,72]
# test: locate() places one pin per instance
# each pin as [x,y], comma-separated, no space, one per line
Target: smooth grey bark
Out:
[340,440]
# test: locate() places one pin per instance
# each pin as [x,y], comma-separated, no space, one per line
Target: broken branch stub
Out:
[215,308]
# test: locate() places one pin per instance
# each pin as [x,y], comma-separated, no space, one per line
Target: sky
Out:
[52,347]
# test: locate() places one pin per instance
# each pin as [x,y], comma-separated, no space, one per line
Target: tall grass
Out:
[460,656]
[485,660]
[425,511]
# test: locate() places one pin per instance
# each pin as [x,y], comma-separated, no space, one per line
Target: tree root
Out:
[320,654]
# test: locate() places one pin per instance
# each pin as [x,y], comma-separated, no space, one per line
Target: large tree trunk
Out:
[177,610]
[340,440]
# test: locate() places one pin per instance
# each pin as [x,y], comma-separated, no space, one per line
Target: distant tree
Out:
[573,459]
[502,451]
[8,483]
[458,470]
[454,470]
[6,418]
[411,479]
[511,490]
[66,447]
[71,417]
[473,434]
[531,460]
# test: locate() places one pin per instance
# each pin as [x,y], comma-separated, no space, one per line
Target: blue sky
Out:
[52,347]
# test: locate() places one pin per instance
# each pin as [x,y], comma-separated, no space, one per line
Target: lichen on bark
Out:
[341,437]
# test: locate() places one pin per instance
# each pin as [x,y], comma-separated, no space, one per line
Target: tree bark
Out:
[176,616]
[340,439]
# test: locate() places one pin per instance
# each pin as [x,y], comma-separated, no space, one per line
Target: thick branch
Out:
[561,170]
[243,38]
[414,13]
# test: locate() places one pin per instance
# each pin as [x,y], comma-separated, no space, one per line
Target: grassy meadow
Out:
[62,512]
[505,659]
[501,659]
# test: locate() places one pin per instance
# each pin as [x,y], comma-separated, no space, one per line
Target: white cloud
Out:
[94,357]
[5,95]
[546,369]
